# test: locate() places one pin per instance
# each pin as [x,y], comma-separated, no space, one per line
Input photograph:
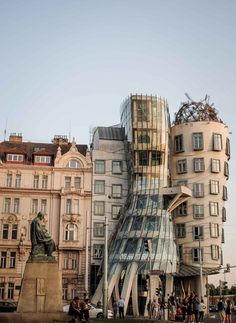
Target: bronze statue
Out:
[42,243]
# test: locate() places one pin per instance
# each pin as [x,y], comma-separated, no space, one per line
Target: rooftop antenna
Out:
[5,130]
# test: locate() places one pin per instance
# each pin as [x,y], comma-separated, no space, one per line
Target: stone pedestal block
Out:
[41,289]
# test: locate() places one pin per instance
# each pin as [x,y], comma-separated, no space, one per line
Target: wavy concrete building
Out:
[200,155]
[146,215]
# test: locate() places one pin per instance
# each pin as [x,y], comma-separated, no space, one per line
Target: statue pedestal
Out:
[41,289]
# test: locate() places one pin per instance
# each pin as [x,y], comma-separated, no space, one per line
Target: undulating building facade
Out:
[54,178]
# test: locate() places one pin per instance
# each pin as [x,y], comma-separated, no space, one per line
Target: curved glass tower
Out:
[144,245]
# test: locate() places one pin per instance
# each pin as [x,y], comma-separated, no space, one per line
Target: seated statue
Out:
[42,243]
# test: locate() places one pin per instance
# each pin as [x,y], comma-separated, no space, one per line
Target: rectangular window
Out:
[5,231]
[42,159]
[156,158]
[181,166]
[197,140]
[34,207]
[223,214]
[225,193]
[214,228]
[76,206]
[68,206]
[143,137]
[198,232]
[67,182]
[74,262]
[99,187]
[7,205]
[9,180]
[12,259]
[116,191]
[214,187]
[15,158]
[142,111]
[223,236]
[227,148]
[98,229]
[14,231]
[198,211]
[143,158]
[215,165]
[180,230]
[2,290]
[198,164]
[179,143]
[3,259]
[98,251]
[214,208]
[36,181]
[217,141]
[181,210]
[116,167]
[18,181]
[198,189]
[196,254]
[10,293]
[99,166]
[44,206]
[99,208]
[77,182]
[180,253]
[226,169]
[182,183]
[16,206]
[115,211]
[44,181]
[215,255]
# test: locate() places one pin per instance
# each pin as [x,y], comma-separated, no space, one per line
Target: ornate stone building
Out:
[54,178]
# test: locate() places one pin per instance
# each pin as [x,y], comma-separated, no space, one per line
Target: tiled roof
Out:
[30,148]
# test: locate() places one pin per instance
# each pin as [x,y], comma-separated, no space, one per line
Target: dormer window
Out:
[15,158]
[42,159]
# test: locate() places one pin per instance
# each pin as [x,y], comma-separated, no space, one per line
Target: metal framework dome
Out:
[192,111]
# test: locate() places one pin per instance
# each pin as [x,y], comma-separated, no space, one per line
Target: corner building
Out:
[146,214]
[200,154]
[54,178]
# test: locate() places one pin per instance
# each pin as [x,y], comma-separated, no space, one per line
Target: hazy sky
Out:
[66,66]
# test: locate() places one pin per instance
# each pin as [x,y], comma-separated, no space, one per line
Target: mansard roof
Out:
[30,149]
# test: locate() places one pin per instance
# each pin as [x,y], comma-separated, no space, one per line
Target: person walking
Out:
[221,310]
[121,305]
[114,305]
[228,311]
[202,308]
[196,303]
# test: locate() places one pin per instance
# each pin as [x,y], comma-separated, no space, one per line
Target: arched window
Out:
[73,164]
[71,232]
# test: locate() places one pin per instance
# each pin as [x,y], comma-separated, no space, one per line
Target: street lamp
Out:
[200,265]
[105,273]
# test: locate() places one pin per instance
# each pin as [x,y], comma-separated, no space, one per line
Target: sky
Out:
[67,65]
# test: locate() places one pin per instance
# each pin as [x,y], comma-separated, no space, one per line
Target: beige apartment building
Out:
[199,160]
[54,178]
[109,187]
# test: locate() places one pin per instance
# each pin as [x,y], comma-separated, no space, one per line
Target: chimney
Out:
[15,137]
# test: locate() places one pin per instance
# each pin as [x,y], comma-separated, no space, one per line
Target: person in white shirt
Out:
[202,308]
[121,305]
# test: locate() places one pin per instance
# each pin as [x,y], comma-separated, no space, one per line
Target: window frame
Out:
[181,166]
[198,164]
[99,186]
[99,166]
[198,140]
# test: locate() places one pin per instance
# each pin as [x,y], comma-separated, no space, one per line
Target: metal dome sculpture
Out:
[192,111]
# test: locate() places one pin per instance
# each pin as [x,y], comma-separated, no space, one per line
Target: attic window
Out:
[42,159]
[73,164]
[15,158]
